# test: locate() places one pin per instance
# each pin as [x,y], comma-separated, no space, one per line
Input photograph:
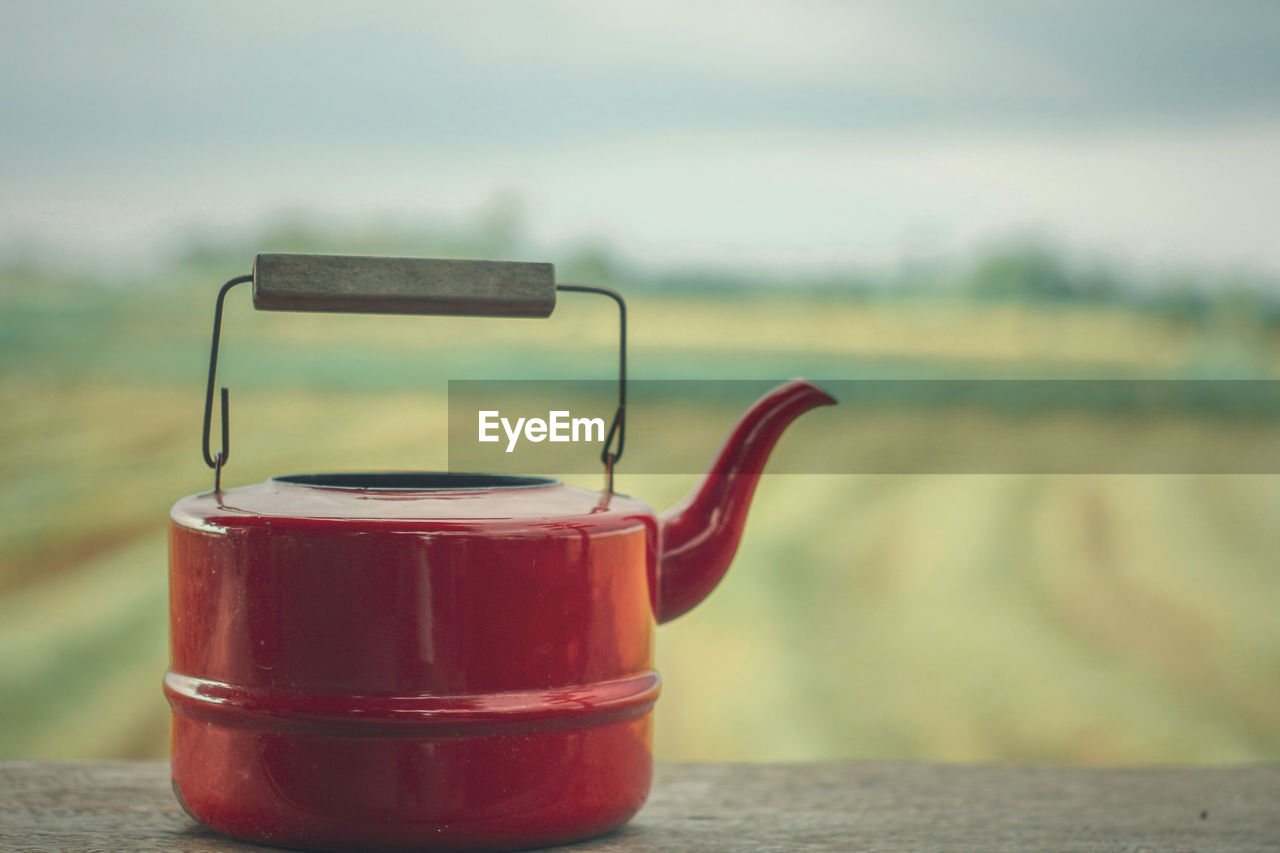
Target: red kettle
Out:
[432,661]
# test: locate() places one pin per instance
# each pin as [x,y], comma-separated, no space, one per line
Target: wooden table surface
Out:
[127,806]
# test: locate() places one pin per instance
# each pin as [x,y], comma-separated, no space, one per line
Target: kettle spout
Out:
[701,533]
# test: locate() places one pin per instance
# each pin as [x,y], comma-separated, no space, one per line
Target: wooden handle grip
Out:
[352,283]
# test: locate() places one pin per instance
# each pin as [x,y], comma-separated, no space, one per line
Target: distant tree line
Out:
[1023,272]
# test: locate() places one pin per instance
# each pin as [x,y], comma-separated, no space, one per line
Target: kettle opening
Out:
[415,481]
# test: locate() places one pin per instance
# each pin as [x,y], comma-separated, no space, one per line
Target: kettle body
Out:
[444,661]
[393,661]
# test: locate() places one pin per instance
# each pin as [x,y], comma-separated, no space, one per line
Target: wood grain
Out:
[887,807]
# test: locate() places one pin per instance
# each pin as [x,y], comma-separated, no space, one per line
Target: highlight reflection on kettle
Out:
[432,660]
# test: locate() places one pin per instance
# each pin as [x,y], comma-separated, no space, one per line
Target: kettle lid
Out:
[415,499]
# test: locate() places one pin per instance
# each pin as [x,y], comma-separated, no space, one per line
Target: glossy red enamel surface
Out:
[466,669]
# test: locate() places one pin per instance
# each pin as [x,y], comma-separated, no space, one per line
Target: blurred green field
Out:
[1093,619]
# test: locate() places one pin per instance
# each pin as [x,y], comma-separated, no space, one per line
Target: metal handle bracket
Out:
[342,283]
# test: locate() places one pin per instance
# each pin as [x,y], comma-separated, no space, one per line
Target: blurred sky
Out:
[777,134]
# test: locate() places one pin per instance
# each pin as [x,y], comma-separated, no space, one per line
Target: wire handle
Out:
[417,292]
[618,428]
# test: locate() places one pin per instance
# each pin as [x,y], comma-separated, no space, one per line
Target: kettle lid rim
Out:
[538,504]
